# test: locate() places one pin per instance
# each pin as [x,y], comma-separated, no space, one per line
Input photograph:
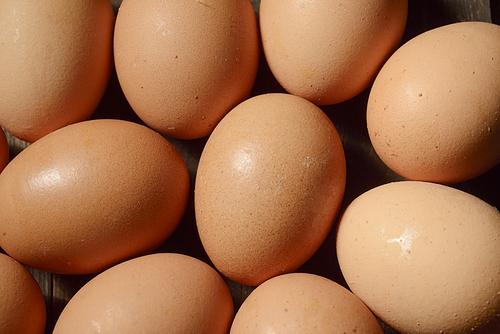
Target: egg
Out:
[55,63]
[327,51]
[22,309]
[156,293]
[303,303]
[269,184]
[4,151]
[424,257]
[91,194]
[183,65]
[433,111]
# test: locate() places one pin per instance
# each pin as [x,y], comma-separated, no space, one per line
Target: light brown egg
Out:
[329,51]
[157,293]
[55,63]
[4,151]
[300,303]
[269,185]
[183,64]
[22,310]
[91,194]
[434,109]
[424,257]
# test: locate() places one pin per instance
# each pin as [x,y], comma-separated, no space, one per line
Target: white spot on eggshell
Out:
[96,326]
[162,26]
[405,240]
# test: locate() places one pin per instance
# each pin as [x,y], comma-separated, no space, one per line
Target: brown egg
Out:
[424,257]
[22,310]
[269,185]
[157,293]
[328,51]
[303,303]
[183,65]
[434,108]
[55,63]
[4,151]
[89,195]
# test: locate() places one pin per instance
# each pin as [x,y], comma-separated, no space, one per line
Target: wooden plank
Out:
[428,14]
[495,11]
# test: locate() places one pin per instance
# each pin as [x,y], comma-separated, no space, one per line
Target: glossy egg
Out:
[22,310]
[269,185]
[424,257]
[55,63]
[300,303]
[183,64]
[329,51]
[157,293]
[91,194]
[433,112]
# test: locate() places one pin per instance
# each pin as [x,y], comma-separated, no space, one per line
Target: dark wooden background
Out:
[365,170]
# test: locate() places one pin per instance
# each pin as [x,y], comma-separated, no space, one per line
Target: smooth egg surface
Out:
[55,63]
[269,185]
[433,112]
[22,310]
[156,293]
[298,303]
[91,194]
[424,257]
[183,64]
[327,51]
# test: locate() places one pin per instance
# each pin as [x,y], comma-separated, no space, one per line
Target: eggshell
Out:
[269,185]
[91,194]
[183,65]
[303,303]
[22,310]
[157,293]
[329,51]
[424,257]
[4,150]
[433,111]
[55,63]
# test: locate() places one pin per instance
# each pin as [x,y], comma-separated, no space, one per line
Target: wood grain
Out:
[365,172]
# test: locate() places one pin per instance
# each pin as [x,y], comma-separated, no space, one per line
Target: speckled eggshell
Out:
[269,185]
[183,64]
[157,293]
[329,51]
[433,111]
[91,194]
[300,303]
[4,151]
[424,257]
[55,63]
[22,307]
